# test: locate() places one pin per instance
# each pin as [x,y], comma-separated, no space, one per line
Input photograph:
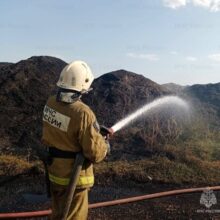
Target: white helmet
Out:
[76,76]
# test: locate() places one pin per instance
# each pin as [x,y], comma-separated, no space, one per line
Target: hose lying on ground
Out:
[111,203]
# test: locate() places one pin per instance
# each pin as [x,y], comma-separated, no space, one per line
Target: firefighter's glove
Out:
[106,132]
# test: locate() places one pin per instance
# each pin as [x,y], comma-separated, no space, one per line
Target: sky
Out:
[165,40]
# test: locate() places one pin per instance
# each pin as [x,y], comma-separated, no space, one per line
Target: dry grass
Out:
[163,170]
[195,161]
[11,165]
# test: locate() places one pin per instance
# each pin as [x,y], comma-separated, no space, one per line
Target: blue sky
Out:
[165,40]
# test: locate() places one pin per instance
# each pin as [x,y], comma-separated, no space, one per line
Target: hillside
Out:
[208,95]
[118,93]
[159,139]
[175,88]
[24,90]
[26,85]
[205,100]
[4,64]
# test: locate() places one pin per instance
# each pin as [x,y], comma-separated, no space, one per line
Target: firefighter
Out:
[70,126]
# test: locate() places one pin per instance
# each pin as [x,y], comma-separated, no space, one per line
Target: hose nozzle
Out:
[106,131]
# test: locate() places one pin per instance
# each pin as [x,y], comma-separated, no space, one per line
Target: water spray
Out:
[144,110]
[106,132]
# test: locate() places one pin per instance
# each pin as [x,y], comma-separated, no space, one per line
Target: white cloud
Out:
[215,6]
[191,59]
[211,5]
[150,57]
[215,57]
[174,4]
[203,3]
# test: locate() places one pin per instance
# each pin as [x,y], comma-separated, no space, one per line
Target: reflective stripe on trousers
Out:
[83,180]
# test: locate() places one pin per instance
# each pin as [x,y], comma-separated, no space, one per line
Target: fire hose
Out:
[113,202]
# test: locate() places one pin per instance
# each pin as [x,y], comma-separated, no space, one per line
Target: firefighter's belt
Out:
[55,152]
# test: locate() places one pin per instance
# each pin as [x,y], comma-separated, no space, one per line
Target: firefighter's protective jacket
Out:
[73,128]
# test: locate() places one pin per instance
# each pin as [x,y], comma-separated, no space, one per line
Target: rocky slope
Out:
[205,99]
[118,93]
[25,87]
[24,90]
[5,64]
[207,94]
[174,88]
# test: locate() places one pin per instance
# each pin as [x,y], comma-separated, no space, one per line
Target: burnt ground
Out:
[25,87]
[15,197]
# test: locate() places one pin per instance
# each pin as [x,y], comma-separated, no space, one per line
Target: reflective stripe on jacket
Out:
[83,180]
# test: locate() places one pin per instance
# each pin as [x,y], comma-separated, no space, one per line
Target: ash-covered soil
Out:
[25,87]
[28,193]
